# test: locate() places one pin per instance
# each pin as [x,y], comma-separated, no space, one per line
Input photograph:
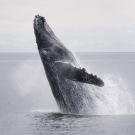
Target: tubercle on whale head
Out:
[39,22]
[43,33]
[39,27]
[48,44]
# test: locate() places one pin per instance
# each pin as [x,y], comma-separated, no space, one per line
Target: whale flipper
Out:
[78,74]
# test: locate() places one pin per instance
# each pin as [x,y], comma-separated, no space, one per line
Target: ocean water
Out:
[27,106]
[39,123]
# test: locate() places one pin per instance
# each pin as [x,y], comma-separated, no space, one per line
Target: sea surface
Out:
[41,123]
[27,106]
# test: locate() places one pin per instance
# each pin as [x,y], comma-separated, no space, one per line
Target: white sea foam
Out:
[114,98]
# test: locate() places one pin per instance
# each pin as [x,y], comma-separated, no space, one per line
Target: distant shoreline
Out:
[81,55]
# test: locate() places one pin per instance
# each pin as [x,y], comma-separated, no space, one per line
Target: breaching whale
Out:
[67,80]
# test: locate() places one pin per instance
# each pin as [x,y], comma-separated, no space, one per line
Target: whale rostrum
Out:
[68,81]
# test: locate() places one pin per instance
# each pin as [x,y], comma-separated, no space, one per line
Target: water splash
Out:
[29,81]
[114,98]
[27,75]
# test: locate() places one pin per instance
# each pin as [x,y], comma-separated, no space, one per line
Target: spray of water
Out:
[29,81]
[114,98]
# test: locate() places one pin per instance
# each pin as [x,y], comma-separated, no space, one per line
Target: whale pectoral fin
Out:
[78,74]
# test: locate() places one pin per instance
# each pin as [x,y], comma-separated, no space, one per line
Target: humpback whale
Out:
[67,80]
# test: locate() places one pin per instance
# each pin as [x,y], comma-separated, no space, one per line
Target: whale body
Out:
[67,80]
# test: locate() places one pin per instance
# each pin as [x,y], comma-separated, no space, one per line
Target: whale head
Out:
[49,46]
[39,23]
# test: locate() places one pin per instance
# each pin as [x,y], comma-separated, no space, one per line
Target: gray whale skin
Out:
[66,79]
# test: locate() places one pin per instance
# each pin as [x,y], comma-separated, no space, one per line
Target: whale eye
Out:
[59,51]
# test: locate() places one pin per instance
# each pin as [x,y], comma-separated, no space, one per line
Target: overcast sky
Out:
[82,25]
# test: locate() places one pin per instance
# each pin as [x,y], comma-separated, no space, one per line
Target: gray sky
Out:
[82,25]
